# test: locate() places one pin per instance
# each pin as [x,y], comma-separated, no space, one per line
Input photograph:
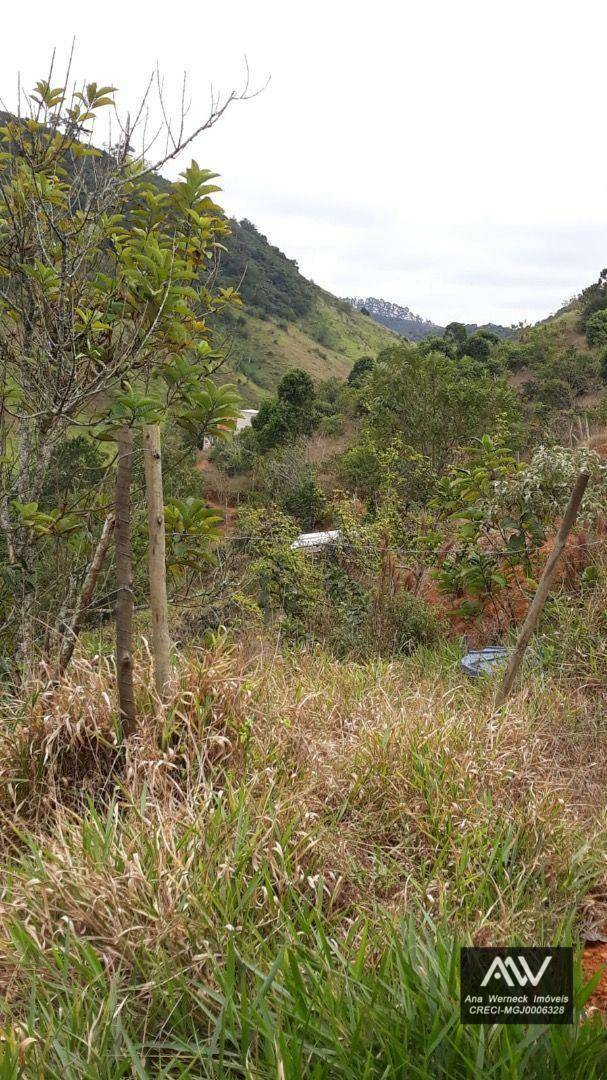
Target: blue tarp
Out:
[484,661]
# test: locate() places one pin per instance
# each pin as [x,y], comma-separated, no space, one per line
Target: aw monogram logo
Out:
[516,986]
[513,973]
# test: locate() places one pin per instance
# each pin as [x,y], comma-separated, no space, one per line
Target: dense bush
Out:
[553,392]
[366,622]
[596,329]
[237,455]
[360,469]
[502,511]
[360,370]
[478,346]
[436,403]
[279,478]
[407,622]
[285,584]
[273,424]
[330,425]
[293,412]
[307,503]
[348,595]
[396,470]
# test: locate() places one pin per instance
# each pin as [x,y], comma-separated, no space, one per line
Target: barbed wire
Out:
[392,550]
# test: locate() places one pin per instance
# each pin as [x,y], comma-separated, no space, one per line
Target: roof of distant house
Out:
[245,418]
[315,539]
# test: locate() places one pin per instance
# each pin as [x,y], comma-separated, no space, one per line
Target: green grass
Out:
[227,986]
[300,1006]
[277,879]
[325,343]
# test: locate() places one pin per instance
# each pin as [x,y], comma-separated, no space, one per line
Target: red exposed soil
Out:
[594,960]
[493,622]
[221,494]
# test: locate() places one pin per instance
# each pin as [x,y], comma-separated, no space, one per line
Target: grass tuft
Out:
[274,876]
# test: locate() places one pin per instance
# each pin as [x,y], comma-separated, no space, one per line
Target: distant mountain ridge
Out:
[403,321]
[395,317]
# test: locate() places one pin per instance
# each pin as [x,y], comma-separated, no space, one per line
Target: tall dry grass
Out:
[281,800]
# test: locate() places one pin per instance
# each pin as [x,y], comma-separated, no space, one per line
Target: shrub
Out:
[397,471]
[408,623]
[553,392]
[478,347]
[296,388]
[328,391]
[366,623]
[330,425]
[291,413]
[306,502]
[596,329]
[271,425]
[360,469]
[360,369]
[235,456]
[504,511]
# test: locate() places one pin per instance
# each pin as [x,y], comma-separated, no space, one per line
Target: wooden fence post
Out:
[543,588]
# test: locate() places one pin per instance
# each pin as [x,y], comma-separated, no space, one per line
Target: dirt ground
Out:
[594,960]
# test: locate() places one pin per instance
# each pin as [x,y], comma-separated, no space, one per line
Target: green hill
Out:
[286,321]
[560,363]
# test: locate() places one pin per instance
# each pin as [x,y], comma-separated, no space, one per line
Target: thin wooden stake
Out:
[124,581]
[156,557]
[543,588]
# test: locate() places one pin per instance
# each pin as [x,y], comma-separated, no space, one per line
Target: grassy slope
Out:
[293,853]
[286,321]
[566,321]
[324,342]
[559,333]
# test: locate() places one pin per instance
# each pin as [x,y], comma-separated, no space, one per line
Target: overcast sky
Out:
[449,155]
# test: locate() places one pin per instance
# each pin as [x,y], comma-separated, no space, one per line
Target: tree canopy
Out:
[436,403]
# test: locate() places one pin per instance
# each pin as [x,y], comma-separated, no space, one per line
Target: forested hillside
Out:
[286,321]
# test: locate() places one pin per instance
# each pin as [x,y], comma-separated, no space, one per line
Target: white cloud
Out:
[449,156]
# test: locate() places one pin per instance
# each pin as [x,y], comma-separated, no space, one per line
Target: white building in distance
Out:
[245,418]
